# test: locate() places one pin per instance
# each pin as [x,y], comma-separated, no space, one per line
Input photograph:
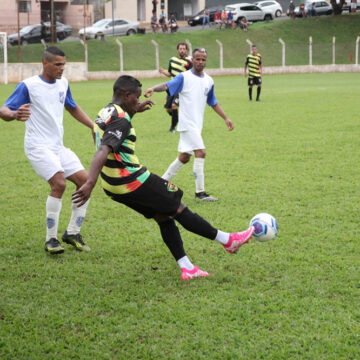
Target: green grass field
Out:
[139,52]
[294,155]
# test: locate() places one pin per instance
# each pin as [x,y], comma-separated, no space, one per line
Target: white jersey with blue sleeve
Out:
[47,101]
[194,93]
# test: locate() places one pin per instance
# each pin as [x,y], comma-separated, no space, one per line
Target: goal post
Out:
[4,57]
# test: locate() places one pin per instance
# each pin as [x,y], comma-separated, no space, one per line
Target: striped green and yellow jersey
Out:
[122,172]
[178,65]
[253,62]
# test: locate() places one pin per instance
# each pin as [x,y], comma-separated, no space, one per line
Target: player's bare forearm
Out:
[218,109]
[21,114]
[82,195]
[164,72]
[79,114]
[156,88]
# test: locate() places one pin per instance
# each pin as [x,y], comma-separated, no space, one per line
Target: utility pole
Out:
[18,29]
[52,22]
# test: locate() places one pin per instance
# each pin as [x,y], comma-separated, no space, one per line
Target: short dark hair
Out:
[202,50]
[126,83]
[253,45]
[181,43]
[52,51]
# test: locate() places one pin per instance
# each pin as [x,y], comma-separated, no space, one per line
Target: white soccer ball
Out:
[266,226]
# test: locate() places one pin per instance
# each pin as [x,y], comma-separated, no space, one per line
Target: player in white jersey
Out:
[195,89]
[39,101]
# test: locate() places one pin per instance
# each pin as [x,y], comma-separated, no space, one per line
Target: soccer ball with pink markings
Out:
[266,226]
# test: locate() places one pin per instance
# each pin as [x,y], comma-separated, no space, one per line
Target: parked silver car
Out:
[249,11]
[108,27]
[321,8]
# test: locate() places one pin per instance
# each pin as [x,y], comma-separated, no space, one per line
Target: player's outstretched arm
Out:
[164,72]
[79,114]
[218,109]
[21,114]
[82,195]
[156,88]
[145,105]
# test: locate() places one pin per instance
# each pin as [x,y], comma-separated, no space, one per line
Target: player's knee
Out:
[200,153]
[184,158]
[58,185]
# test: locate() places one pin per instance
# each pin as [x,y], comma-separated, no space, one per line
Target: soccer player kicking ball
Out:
[128,182]
[195,89]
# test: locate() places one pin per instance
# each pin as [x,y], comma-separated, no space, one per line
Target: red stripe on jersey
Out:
[123,173]
[133,185]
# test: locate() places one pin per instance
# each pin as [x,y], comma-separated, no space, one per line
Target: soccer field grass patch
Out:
[294,155]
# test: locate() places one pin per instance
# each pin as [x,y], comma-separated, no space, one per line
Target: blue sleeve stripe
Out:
[211,99]
[175,85]
[69,101]
[19,97]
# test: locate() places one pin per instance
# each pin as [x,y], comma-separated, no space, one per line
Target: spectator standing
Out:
[206,18]
[292,9]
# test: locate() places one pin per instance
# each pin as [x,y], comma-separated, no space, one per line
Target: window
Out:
[24,6]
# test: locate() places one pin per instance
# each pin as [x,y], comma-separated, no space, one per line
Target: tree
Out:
[337,6]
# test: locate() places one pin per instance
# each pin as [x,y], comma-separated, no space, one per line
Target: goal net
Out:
[3,58]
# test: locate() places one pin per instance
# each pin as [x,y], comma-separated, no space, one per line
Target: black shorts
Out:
[254,81]
[154,196]
[171,100]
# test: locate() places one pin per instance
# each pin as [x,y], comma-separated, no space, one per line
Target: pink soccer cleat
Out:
[191,274]
[238,239]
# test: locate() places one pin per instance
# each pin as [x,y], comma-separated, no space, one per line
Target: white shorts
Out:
[190,141]
[47,162]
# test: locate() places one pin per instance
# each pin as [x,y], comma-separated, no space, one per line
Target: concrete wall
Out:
[77,71]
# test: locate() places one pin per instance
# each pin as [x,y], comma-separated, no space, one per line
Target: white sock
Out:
[222,237]
[172,170]
[53,208]
[198,169]
[184,262]
[77,218]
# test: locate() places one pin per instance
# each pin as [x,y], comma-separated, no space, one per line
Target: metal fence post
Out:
[221,54]
[121,54]
[310,50]
[283,51]
[357,50]
[189,46]
[156,54]
[250,43]
[85,54]
[333,50]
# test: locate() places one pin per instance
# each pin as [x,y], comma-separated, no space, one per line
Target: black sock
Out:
[250,93]
[171,236]
[258,92]
[174,118]
[196,224]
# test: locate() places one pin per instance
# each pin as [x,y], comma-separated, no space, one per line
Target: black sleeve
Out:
[115,133]
[247,60]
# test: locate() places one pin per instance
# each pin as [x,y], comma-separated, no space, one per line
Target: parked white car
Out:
[249,11]
[271,5]
[109,27]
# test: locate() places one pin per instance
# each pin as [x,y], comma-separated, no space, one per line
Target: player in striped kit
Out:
[254,65]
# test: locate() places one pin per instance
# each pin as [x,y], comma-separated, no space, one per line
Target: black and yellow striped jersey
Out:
[178,65]
[253,62]
[122,172]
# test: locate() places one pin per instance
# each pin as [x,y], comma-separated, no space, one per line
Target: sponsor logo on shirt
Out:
[117,134]
[171,187]
[62,97]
